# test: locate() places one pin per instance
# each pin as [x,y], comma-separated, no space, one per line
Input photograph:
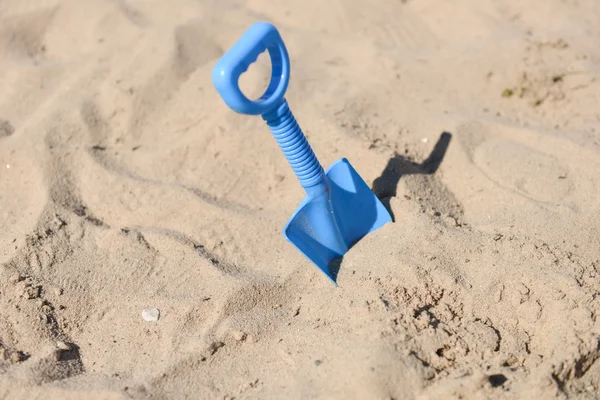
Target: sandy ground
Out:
[126,183]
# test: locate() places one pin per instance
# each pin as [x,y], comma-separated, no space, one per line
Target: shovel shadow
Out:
[386,184]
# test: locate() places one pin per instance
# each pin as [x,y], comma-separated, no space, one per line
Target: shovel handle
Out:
[271,105]
[295,147]
[259,37]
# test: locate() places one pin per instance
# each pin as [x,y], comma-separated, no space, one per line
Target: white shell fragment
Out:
[151,314]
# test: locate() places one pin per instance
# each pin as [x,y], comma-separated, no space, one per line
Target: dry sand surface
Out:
[126,184]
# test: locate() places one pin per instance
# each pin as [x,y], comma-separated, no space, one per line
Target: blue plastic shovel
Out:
[339,208]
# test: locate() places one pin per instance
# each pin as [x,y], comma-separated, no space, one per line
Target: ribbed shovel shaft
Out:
[292,141]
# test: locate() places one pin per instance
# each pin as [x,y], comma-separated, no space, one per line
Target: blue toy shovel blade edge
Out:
[323,229]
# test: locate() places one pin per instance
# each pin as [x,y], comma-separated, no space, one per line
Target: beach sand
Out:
[126,183]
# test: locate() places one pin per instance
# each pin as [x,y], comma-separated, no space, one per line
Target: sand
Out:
[126,184]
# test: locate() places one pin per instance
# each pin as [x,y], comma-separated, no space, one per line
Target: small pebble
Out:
[251,339]
[451,221]
[239,336]
[16,357]
[318,362]
[434,213]
[151,314]
[63,346]
[15,278]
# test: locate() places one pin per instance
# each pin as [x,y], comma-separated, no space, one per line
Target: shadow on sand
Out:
[386,184]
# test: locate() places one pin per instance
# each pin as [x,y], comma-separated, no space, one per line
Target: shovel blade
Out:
[324,227]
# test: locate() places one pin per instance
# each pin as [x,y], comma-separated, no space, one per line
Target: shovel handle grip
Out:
[259,37]
[271,105]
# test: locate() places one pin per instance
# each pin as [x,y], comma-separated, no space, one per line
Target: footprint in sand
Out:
[529,163]
[531,173]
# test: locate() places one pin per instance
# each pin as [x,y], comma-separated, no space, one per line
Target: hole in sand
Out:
[254,82]
[497,380]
